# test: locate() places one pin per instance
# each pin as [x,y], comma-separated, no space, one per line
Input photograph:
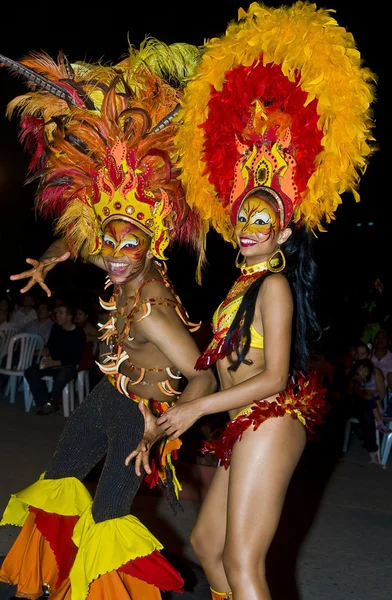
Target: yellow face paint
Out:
[124,250]
[123,239]
[257,217]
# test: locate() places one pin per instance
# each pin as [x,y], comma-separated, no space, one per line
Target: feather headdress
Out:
[98,149]
[281,100]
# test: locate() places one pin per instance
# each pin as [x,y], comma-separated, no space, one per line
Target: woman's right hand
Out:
[40,268]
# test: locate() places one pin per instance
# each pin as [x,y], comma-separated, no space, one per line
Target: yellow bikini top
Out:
[224,321]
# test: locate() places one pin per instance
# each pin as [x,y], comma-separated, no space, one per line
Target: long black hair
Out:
[301,273]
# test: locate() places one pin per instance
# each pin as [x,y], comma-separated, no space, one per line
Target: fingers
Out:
[142,407]
[146,465]
[32,261]
[22,275]
[45,288]
[142,447]
[27,287]
[130,457]
[161,420]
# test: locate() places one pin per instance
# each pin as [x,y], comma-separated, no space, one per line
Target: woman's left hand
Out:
[152,434]
[176,420]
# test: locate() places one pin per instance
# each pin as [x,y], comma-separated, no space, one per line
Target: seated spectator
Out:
[358,406]
[82,320]
[61,357]
[382,356]
[21,315]
[369,384]
[42,325]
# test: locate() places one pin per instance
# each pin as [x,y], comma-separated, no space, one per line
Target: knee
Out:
[198,543]
[240,565]
[204,548]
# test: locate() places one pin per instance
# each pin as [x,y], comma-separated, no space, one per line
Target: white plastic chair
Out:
[83,385]
[29,346]
[8,331]
[68,395]
[347,433]
[386,446]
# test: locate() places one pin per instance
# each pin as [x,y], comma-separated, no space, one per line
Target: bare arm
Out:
[166,331]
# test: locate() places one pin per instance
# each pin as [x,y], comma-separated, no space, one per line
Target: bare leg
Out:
[209,533]
[261,468]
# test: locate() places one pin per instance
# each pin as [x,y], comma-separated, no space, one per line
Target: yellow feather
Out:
[299,38]
[80,229]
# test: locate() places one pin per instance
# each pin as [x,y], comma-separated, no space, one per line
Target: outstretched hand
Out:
[152,434]
[176,420]
[40,268]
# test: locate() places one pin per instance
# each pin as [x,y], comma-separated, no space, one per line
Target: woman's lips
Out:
[245,242]
[117,268]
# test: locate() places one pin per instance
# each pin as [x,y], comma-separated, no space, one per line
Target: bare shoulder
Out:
[275,285]
[156,289]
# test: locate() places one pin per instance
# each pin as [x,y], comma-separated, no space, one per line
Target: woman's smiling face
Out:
[124,249]
[257,227]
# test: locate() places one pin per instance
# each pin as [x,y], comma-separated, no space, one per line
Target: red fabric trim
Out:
[156,570]
[303,397]
[58,530]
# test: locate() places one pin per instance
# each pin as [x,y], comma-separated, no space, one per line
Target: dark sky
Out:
[348,254]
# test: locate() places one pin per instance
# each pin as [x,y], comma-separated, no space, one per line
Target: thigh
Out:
[63,375]
[118,484]
[262,465]
[83,441]
[210,527]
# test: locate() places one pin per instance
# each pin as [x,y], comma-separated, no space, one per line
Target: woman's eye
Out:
[108,242]
[262,219]
[130,245]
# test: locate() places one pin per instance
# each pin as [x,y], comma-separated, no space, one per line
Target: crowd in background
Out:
[353,358]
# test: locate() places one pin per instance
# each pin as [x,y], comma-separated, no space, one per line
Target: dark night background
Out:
[356,248]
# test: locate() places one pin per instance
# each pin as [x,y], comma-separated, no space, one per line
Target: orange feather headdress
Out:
[99,149]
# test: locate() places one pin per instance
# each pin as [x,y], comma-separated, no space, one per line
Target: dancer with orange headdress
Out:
[105,162]
[275,126]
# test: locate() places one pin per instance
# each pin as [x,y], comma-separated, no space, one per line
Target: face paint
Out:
[257,222]
[124,248]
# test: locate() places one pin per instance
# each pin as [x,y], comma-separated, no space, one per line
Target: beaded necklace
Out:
[216,350]
[113,359]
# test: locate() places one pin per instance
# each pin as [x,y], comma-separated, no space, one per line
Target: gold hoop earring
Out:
[237,264]
[276,262]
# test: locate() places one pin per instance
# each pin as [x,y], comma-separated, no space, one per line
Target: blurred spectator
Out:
[368,383]
[372,326]
[82,320]
[42,325]
[25,313]
[382,357]
[3,317]
[357,405]
[5,307]
[61,357]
